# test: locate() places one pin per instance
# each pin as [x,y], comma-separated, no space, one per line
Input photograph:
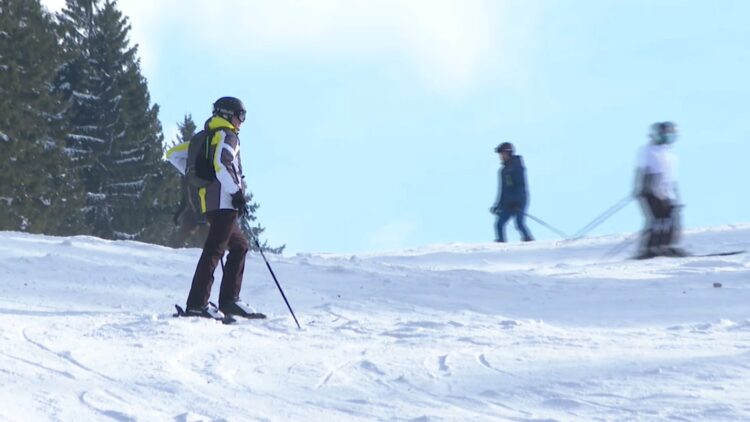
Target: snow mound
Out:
[536,331]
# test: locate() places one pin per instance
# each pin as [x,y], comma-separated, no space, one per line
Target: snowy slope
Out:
[522,332]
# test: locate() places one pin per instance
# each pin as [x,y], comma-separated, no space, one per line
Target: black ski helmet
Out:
[227,107]
[663,132]
[505,146]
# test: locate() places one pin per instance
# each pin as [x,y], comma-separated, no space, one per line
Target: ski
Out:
[254,315]
[727,253]
[228,319]
[689,255]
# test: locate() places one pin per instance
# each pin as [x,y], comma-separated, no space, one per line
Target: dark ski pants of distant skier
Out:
[224,233]
[662,222]
[502,219]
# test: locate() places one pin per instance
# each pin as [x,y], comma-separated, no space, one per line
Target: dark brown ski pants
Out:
[223,234]
[662,222]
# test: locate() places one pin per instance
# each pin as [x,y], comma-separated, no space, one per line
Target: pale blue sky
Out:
[371,124]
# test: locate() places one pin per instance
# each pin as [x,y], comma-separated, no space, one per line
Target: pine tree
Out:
[138,175]
[82,85]
[113,133]
[38,191]
[186,130]
[114,129]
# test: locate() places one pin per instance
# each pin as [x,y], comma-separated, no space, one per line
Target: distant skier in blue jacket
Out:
[512,197]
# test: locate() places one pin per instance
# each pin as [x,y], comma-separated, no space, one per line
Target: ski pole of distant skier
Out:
[560,233]
[622,245]
[277,281]
[606,215]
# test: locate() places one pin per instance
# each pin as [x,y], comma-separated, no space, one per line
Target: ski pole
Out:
[603,217]
[277,281]
[563,235]
[622,245]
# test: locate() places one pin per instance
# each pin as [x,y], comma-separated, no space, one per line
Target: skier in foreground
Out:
[222,201]
[656,187]
[512,196]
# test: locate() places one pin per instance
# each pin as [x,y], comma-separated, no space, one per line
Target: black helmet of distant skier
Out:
[228,107]
[504,147]
[663,133]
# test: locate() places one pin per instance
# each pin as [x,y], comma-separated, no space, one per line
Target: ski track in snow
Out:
[531,332]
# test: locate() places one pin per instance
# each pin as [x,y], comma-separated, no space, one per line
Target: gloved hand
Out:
[495,210]
[239,202]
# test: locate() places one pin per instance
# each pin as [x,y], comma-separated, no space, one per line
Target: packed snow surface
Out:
[543,331]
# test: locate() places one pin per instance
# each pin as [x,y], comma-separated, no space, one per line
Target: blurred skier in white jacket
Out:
[656,186]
